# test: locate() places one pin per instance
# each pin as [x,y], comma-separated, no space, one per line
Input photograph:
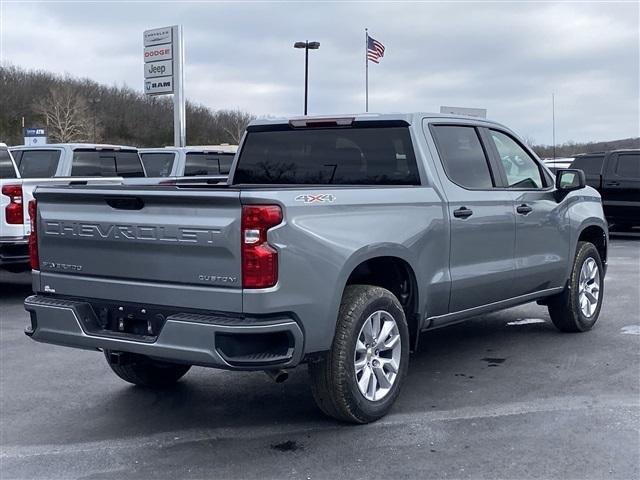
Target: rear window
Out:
[329,156]
[628,165]
[463,157]
[589,164]
[201,163]
[158,164]
[6,165]
[37,163]
[106,163]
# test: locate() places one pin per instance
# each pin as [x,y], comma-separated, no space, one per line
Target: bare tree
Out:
[233,123]
[66,114]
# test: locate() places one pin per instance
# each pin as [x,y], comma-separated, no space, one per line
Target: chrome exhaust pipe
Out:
[278,375]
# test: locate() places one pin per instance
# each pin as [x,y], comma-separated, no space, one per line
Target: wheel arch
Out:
[389,268]
[597,235]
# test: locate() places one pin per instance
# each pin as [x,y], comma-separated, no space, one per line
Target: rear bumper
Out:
[218,341]
[14,251]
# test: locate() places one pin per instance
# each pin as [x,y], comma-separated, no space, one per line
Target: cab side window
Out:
[522,171]
[463,157]
[589,164]
[628,165]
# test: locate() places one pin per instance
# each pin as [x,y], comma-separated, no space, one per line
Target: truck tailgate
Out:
[138,244]
[30,184]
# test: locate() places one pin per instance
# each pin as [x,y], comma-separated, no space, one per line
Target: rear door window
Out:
[589,164]
[38,163]
[358,155]
[203,164]
[463,158]
[128,164]
[158,164]
[628,165]
[106,163]
[6,165]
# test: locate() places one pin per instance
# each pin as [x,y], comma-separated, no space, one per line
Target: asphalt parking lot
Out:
[502,396]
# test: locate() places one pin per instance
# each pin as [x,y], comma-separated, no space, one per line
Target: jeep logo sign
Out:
[158,69]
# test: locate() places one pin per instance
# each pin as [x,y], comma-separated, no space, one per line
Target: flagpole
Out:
[366,69]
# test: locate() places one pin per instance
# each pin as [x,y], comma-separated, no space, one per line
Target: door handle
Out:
[524,209]
[612,184]
[462,212]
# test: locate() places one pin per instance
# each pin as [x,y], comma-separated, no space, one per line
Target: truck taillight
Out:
[259,259]
[13,211]
[34,260]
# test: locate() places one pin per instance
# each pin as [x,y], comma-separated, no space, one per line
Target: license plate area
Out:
[137,322]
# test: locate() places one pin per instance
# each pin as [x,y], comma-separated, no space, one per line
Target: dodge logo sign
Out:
[161,52]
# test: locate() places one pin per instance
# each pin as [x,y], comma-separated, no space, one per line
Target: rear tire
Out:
[356,368]
[146,372]
[569,310]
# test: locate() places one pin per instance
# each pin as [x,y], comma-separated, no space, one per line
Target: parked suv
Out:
[616,175]
[335,243]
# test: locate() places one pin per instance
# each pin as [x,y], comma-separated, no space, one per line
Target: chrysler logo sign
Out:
[157,36]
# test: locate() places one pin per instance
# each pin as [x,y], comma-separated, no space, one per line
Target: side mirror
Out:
[571,179]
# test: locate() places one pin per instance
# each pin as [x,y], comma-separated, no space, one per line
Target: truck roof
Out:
[74,146]
[617,150]
[225,148]
[410,118]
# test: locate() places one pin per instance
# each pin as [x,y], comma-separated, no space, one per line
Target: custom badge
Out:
[316,198]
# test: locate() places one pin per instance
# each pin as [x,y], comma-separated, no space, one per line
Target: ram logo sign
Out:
[158,86]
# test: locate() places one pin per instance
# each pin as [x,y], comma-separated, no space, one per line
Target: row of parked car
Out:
[23,168]
[616,176]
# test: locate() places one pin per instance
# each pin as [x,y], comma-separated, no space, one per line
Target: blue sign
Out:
[35,132]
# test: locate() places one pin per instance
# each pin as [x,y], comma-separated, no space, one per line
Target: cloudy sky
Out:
[507,57]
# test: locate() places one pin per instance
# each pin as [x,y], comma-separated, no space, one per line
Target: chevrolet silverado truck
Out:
[335,243]
[77,160]
[14,253]
[193,161]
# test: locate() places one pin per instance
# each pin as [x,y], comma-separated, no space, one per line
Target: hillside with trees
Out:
[571,149]
[81,110]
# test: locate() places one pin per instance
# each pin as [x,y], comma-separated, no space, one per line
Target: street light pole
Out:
[94,103]
[307,46]
[306,79]
[553,121]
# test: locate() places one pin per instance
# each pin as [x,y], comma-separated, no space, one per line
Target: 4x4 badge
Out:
[316,198]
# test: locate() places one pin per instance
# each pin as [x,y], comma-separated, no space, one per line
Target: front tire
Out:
[360,377]
[578,307]
[146,372]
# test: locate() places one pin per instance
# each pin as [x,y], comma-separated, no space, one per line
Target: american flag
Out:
[375,50]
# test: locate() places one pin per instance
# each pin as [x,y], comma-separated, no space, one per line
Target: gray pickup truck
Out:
[336,242]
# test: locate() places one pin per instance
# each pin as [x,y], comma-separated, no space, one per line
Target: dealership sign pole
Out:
[164,72]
